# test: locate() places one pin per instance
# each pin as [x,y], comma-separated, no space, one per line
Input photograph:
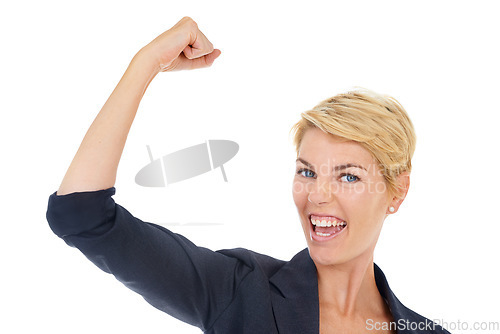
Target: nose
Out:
[320,193]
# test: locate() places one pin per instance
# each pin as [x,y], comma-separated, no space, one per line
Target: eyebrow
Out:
[336,168]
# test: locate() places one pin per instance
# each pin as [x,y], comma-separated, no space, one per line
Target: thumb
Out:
[193,51]
[206,60]
[210,58]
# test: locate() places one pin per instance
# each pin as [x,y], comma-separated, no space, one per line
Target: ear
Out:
[403,181]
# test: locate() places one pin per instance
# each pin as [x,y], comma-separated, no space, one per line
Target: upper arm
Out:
[191,283]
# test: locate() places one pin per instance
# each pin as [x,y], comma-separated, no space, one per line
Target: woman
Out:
[353,163]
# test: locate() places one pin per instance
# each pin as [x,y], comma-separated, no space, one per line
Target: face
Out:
[338,183]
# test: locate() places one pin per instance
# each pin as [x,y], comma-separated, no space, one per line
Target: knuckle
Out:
[189,21]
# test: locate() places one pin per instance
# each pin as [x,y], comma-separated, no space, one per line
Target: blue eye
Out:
[305,172]
[349,178]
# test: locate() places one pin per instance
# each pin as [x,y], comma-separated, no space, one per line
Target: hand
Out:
[182,47]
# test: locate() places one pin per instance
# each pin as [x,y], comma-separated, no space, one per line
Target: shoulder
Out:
[256,261]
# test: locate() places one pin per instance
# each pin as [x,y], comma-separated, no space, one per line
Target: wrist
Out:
[146,61]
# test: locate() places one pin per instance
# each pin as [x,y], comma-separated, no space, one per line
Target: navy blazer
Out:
[233,291]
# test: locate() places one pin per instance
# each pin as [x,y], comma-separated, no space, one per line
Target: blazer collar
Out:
[398,310]
[403,316]
[295,299]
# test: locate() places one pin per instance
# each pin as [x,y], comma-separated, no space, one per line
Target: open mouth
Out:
[326,227]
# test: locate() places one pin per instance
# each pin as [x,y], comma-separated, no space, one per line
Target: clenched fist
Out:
[182,47]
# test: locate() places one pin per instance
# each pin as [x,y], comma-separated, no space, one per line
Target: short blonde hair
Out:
[378,122]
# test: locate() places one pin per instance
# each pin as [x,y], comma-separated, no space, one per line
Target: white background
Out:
[60,60]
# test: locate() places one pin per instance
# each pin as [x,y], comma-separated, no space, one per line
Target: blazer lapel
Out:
[295,297]
[405,318]
[296,304]
[398,310]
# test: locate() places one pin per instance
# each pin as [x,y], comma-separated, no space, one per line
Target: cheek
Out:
[360,201]
[369,207]
[300,194]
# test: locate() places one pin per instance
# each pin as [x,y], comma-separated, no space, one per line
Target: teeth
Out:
[327,223]
[323,234]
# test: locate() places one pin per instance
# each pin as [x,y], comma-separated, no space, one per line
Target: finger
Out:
[210,58]
[203,61]
[183,63]
[199,45]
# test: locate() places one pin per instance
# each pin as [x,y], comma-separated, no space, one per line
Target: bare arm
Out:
[95,164]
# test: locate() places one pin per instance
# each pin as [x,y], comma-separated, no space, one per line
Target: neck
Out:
[349,289]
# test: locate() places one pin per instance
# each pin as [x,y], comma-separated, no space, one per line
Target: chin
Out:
[329,255]
[322,256]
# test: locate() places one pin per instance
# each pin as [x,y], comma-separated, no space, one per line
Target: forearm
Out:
[95,164]
[96,161]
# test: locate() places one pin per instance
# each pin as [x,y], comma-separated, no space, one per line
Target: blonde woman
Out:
[353,170]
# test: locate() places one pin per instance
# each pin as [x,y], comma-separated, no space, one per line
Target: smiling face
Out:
[338,183]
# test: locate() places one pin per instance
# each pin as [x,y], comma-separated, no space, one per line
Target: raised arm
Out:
[95,164]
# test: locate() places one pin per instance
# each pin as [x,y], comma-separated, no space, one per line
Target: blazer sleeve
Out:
[191,283]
